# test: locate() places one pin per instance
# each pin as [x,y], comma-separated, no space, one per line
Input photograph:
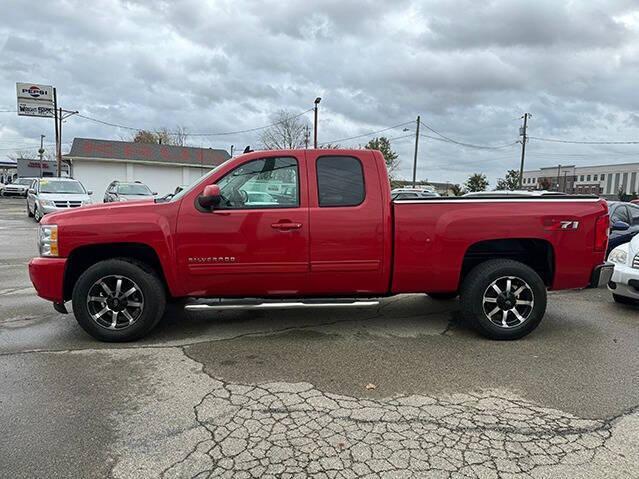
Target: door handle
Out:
[286,226]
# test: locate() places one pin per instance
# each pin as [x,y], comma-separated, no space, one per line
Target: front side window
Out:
[340,181]
[634,214]
[264,183]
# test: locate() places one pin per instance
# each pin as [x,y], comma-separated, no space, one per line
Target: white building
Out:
[604,180]
[96,163]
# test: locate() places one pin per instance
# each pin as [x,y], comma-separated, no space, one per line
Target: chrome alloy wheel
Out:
[508,301]
[115,302]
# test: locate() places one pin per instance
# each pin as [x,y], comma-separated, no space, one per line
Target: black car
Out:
[624,223]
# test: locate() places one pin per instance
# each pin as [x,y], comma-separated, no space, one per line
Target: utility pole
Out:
[57,131]
[41,153]
[317,101]
[524,138]
[416,147]
[558,175]
[232,147]
[59,153]
[307,136]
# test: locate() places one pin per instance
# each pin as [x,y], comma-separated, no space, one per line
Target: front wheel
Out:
[36,213]
[503,299]
[29,214]
[118,300]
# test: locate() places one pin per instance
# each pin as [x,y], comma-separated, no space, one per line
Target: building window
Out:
[603,177]
[594,178]
[340,181]
[588,178]
[581,178]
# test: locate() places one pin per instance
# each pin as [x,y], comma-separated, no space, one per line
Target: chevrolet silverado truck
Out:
[311,228]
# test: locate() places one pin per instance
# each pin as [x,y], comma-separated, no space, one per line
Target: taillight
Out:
[601,233]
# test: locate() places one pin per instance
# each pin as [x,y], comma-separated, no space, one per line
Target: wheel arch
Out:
[536,253]
[83,257]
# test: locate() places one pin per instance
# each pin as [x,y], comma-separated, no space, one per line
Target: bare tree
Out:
[287,132]
[162,136]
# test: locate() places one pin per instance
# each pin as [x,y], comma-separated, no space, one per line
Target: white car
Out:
[18,187]
[49,195]
[624,283]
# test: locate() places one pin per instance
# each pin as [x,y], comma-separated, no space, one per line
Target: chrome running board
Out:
[222,304]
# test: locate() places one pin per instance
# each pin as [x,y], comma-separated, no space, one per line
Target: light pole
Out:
[317,101]
[41,153]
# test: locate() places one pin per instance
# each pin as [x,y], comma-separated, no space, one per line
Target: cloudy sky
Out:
[469,68]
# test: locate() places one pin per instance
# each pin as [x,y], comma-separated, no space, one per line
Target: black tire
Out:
[151,289]
[36,213]
[29,214]
[442,296]
[624,300]
[475,294]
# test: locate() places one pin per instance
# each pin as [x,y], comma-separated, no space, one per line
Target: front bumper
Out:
[47,276]
[601,275]
[625,281]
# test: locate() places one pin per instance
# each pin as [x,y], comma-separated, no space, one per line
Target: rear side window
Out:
[340,181]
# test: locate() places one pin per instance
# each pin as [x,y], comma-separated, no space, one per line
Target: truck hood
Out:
[98,211]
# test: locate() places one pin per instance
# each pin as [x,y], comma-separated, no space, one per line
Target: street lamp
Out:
[317,101]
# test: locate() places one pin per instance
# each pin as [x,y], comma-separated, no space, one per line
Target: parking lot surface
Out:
[399,390]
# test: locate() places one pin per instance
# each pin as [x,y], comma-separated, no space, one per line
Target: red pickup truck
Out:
[274,229]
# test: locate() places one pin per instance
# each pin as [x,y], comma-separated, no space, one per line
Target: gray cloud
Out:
[469,68]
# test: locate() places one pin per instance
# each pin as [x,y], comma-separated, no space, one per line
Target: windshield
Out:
[134,189]
[24,181]
[63,187]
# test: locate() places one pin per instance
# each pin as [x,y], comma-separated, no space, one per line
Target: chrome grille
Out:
[635,261]
[67,204]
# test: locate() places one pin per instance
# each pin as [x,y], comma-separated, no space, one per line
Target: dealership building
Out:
[96,163]
[603,180]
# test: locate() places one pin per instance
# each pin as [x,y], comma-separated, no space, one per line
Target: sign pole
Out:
[57,133]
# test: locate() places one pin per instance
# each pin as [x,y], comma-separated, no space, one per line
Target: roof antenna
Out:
[248,149]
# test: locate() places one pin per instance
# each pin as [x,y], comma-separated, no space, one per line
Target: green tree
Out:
[511,182]
[476,182]
[457,190]
[383,144]
[545,183]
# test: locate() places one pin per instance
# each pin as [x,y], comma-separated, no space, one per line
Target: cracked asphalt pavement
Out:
[284,393]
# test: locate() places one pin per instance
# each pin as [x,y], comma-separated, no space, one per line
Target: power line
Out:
[370,133]
[469,145]
[224,133]
[555,140]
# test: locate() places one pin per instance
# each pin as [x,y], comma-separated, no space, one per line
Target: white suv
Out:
[624,283]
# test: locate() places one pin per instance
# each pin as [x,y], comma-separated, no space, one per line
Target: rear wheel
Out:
[118,300]
[503,299]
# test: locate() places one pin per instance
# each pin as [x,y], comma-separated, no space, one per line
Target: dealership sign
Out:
[34,99]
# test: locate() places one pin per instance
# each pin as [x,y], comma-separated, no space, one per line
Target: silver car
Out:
[18,187]
[48,195]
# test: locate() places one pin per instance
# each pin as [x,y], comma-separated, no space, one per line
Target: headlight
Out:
[48,240]
[86,202]
[619,255]
[48,203]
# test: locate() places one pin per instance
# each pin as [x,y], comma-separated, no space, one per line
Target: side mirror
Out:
[210,197]
[620,226]
[31,191]
[89,192]
[154,193]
